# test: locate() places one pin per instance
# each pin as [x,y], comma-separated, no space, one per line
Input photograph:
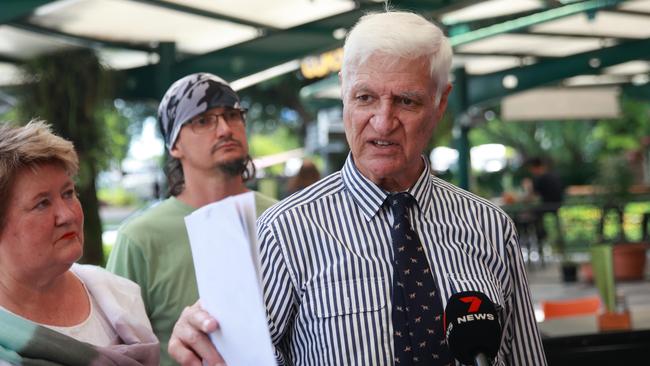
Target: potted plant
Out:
[615,179]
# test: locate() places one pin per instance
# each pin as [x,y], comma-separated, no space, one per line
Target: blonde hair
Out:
[399,34]
[27,147]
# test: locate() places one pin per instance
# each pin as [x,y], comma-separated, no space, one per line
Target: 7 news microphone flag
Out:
[472,328]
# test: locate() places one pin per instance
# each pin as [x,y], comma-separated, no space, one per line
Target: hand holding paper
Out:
[224,249]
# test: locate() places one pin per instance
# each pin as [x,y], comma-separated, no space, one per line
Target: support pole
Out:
[461,126]
[164,74]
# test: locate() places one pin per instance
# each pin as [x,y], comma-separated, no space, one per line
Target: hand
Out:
[189,344]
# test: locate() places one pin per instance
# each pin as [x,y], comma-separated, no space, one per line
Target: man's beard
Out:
[234,167]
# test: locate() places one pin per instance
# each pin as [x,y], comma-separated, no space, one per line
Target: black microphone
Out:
[472,328]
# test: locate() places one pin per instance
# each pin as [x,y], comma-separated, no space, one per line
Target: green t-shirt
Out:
[153,250]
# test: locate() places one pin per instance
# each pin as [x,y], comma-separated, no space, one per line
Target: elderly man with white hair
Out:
[358,267]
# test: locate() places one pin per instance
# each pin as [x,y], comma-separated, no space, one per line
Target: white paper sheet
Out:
[222,236]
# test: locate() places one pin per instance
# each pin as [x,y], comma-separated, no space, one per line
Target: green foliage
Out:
[442,135]
[115,137]
[67,90]
[276,103]
[616,178]
[71,91]
[623,133]
[579,225]
[576,148]
[10,115]
[568,144]
[276,117]
[583,152]
[282,139]
[278,141]
[634,218]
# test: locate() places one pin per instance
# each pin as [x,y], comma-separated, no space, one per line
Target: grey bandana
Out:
[189,97]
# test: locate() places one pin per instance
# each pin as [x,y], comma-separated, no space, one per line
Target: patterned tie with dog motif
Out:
[418,337]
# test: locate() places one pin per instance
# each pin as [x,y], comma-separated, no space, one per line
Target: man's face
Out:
[204,148]
[389,114]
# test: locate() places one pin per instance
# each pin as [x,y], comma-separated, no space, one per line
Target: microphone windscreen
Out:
[471,326]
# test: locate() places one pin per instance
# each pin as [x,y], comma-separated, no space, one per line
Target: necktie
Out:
[417,310]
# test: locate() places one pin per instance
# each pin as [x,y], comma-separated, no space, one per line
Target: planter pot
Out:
[629,263]
[614,321]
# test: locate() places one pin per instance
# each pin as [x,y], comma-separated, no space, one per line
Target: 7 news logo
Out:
[473,314]
[474,303]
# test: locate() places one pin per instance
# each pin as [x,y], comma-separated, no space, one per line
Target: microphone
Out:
[472,328]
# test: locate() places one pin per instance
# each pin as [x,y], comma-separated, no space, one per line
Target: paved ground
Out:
[546,284]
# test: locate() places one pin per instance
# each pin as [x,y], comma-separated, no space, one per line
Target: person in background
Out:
[204,128]
[53,311]
[546,187]
[357,268]
[307,175]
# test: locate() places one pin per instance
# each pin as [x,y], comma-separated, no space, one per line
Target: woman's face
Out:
[43,232]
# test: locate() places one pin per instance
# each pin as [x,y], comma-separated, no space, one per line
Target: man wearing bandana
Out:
[204,129]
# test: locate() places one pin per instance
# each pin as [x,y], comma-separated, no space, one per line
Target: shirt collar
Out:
[421,190]
[369,197]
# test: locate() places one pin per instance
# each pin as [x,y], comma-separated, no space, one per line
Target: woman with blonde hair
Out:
[53,311]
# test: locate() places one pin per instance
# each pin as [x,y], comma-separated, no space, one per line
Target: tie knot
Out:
[400,202]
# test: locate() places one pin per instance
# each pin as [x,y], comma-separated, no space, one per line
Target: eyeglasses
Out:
[209,122]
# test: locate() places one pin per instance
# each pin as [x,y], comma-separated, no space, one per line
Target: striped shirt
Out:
[326,261]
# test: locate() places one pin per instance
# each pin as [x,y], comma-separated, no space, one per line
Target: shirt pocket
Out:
[484,284]
[347,297]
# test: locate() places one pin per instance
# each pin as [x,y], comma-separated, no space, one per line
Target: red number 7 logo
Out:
[475,303]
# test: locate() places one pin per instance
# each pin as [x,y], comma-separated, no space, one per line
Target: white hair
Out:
[400,34]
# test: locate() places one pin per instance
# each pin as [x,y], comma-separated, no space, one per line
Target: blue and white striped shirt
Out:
[326,259]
